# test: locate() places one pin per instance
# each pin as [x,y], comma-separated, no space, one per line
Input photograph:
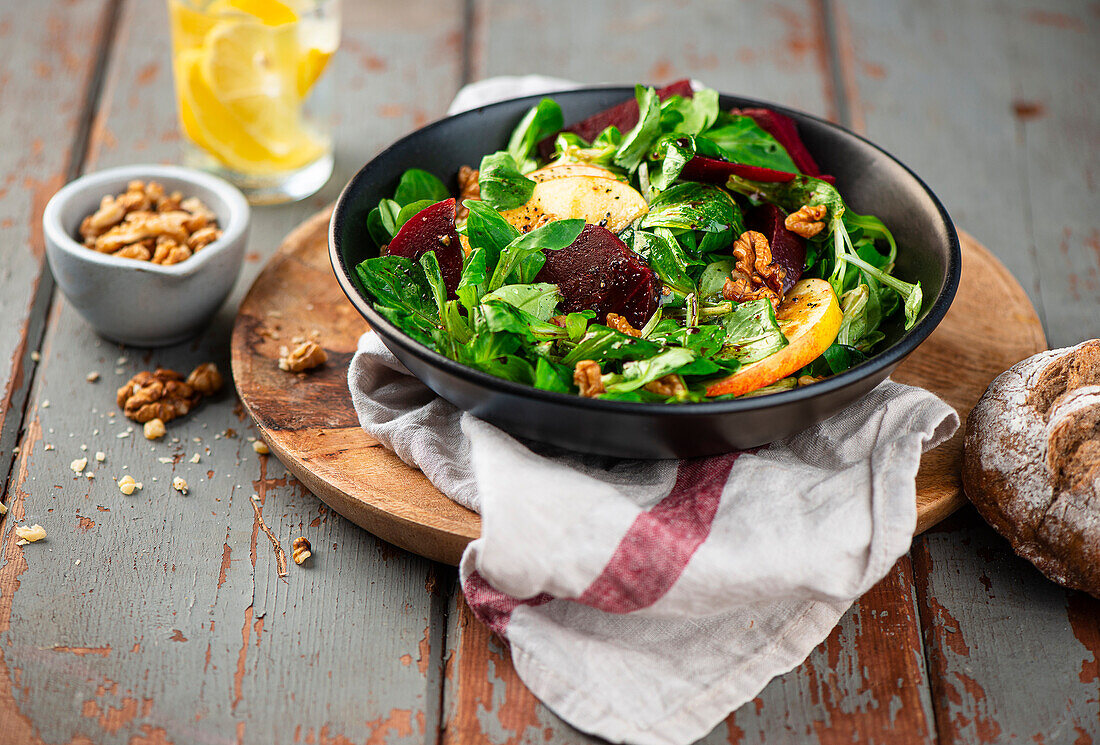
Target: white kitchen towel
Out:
[645,600]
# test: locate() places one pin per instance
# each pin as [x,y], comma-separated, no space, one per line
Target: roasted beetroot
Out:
[714,171]
[432,229]
[788,249]
[785,131]
[624,116]
[598,272]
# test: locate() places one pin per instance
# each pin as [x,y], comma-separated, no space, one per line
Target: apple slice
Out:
[810,317]
[600,201]
[432,229]
[561,170]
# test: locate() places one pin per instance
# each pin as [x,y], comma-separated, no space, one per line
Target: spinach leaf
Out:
[741,140]
[752,333]
[551,236]
[604,343]
[417,186]
[399,283]
[694,206]
[539,122]
[502,185]
[714,277]
[569,148]
[703,341]
[382,221]
[550,376]
[471,285]
[487,230]
[667,259]
[692,115]
[499,315]
[409,210]
[637,373]
[674,152]
[576,324]
[540,300]
[638,141]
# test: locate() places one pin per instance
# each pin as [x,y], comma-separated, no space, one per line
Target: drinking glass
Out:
[255,104]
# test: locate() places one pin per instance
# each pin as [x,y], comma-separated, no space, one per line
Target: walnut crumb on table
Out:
[300,550]
[179,485]
[127,485]
[261,447]
[154,429]
[29,534]
[79,465]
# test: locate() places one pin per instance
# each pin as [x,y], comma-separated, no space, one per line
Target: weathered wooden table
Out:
[159,618]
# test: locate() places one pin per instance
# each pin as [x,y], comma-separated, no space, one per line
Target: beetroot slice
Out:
[785,131]
[598,272]
[624,116]
[788,249]
[714,171]
[432,229]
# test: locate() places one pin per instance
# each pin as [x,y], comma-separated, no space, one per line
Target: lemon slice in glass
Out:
[252,70]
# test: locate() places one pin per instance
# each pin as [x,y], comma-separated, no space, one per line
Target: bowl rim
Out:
[236,221]
[884,360]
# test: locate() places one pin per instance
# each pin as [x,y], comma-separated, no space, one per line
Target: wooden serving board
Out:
[309,423]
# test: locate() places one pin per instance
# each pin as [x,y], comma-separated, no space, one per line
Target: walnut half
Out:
[587,377]
[468,188]
[754,275]
[306,356]
[162,394]
[806,222]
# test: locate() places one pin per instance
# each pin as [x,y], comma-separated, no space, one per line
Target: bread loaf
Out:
[1032,462]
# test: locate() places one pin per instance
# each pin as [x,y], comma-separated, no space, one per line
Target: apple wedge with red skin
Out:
[598,272]
[624,116]
[432,229]
[788,249]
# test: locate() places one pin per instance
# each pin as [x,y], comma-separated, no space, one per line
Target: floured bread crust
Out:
[1032,462]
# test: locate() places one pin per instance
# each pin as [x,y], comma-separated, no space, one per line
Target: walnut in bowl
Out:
[130,297]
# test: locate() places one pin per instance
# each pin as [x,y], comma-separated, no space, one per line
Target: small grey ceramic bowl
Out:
[138,302]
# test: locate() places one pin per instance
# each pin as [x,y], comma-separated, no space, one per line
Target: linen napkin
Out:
[645,600]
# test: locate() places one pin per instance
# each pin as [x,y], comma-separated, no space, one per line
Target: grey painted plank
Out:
[51,55]
[770,50]
[174,624]
[872,665]
[994,104]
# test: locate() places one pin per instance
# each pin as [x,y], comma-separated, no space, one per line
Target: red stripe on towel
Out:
[658,546]
[648,560]
[492,607]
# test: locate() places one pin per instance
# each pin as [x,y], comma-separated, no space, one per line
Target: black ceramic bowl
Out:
[871,181]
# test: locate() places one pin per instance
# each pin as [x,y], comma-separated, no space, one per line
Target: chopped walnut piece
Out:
[620,324]
[669,385]
[135,251]
[261,448]
[179,485]
[805,380]
[754,275]
[203,237]
[587,377]
[29,534]
[300,550]
[205,379]
[79,465]
[127,485]
[306,356]
[156,395]
[806,222]
[109,214]
[146,224]
[468,188]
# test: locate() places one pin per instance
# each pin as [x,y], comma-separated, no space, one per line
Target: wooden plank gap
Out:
[467,42]
[442,584]
[14,427]
[839,75]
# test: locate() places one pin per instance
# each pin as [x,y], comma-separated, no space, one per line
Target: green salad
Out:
[663,250]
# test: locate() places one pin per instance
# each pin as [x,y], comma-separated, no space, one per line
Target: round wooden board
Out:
[309,423]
